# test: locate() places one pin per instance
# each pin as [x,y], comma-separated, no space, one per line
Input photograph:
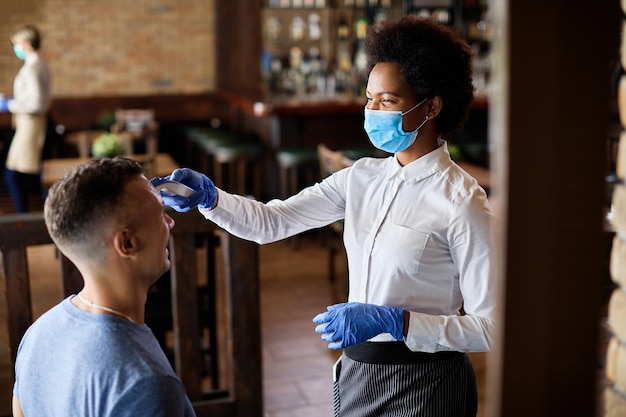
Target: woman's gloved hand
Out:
[205,194]
[4,104]
[348,324]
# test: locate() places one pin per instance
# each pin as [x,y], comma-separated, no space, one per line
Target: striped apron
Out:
[388,379]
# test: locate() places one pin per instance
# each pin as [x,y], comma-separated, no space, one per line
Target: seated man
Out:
[92,354]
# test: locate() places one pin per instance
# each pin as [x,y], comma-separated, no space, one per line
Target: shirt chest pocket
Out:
[401,249]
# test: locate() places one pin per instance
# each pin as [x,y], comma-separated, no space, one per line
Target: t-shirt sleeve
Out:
[154,397]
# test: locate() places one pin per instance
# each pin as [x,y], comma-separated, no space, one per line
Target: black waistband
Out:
[393,353]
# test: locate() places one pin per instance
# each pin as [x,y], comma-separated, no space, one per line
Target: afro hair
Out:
[434,60]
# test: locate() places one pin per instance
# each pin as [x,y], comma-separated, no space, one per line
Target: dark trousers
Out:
[22,185]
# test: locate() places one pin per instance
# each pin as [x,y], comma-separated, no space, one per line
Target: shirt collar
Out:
[427,165]
[31,57]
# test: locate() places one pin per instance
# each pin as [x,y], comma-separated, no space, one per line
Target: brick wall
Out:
[615,393]
[116,47]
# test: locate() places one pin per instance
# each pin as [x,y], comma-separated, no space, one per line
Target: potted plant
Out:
[107,145]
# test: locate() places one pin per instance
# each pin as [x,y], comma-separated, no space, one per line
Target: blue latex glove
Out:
[348,324]
[205,194]
[4,104]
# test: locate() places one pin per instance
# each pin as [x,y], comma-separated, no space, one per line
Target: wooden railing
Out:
[229,358]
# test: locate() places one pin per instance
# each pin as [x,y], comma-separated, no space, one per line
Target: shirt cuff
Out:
[225,204]
[423,333]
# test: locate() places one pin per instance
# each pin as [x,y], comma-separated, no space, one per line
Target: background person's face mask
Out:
[384,129]
[19,52]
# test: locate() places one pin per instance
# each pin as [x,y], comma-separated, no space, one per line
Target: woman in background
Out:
[29,106]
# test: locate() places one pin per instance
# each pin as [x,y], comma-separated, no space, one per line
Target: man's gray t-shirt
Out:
[74,363]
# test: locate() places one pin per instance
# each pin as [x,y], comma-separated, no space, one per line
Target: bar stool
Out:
[236,165]
[297,169]
[201,142]
[231,160]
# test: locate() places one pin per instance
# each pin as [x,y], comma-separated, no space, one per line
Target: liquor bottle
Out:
[315,30]
[297,28]
[360,61]
[344,61]
[343,30]
[360,27]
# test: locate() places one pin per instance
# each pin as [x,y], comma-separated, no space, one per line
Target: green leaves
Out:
[107,145]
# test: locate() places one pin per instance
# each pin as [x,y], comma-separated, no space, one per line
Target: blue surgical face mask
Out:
[384,129]
[19,52]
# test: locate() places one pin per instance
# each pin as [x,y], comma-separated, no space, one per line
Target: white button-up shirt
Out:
[31,88]
[416,237]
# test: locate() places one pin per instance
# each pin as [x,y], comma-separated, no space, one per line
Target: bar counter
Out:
[309,105]
[292,122]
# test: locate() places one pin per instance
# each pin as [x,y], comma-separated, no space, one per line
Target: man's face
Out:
[151,226]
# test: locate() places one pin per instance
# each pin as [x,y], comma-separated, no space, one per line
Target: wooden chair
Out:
[234,349]
[140,126]
[17,233]
[330,162]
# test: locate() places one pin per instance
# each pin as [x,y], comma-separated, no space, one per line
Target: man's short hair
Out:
[85,198]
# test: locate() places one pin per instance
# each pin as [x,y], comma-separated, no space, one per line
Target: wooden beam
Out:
[549,134]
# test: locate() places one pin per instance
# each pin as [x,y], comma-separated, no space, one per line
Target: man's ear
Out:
[124,242]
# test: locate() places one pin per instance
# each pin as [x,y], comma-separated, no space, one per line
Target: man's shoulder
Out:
[54,316]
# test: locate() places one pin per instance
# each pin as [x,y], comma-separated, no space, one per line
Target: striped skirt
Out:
[387,379]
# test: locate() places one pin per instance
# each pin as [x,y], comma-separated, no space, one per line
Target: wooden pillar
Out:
[549,115]
[238,43]
[615,393]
